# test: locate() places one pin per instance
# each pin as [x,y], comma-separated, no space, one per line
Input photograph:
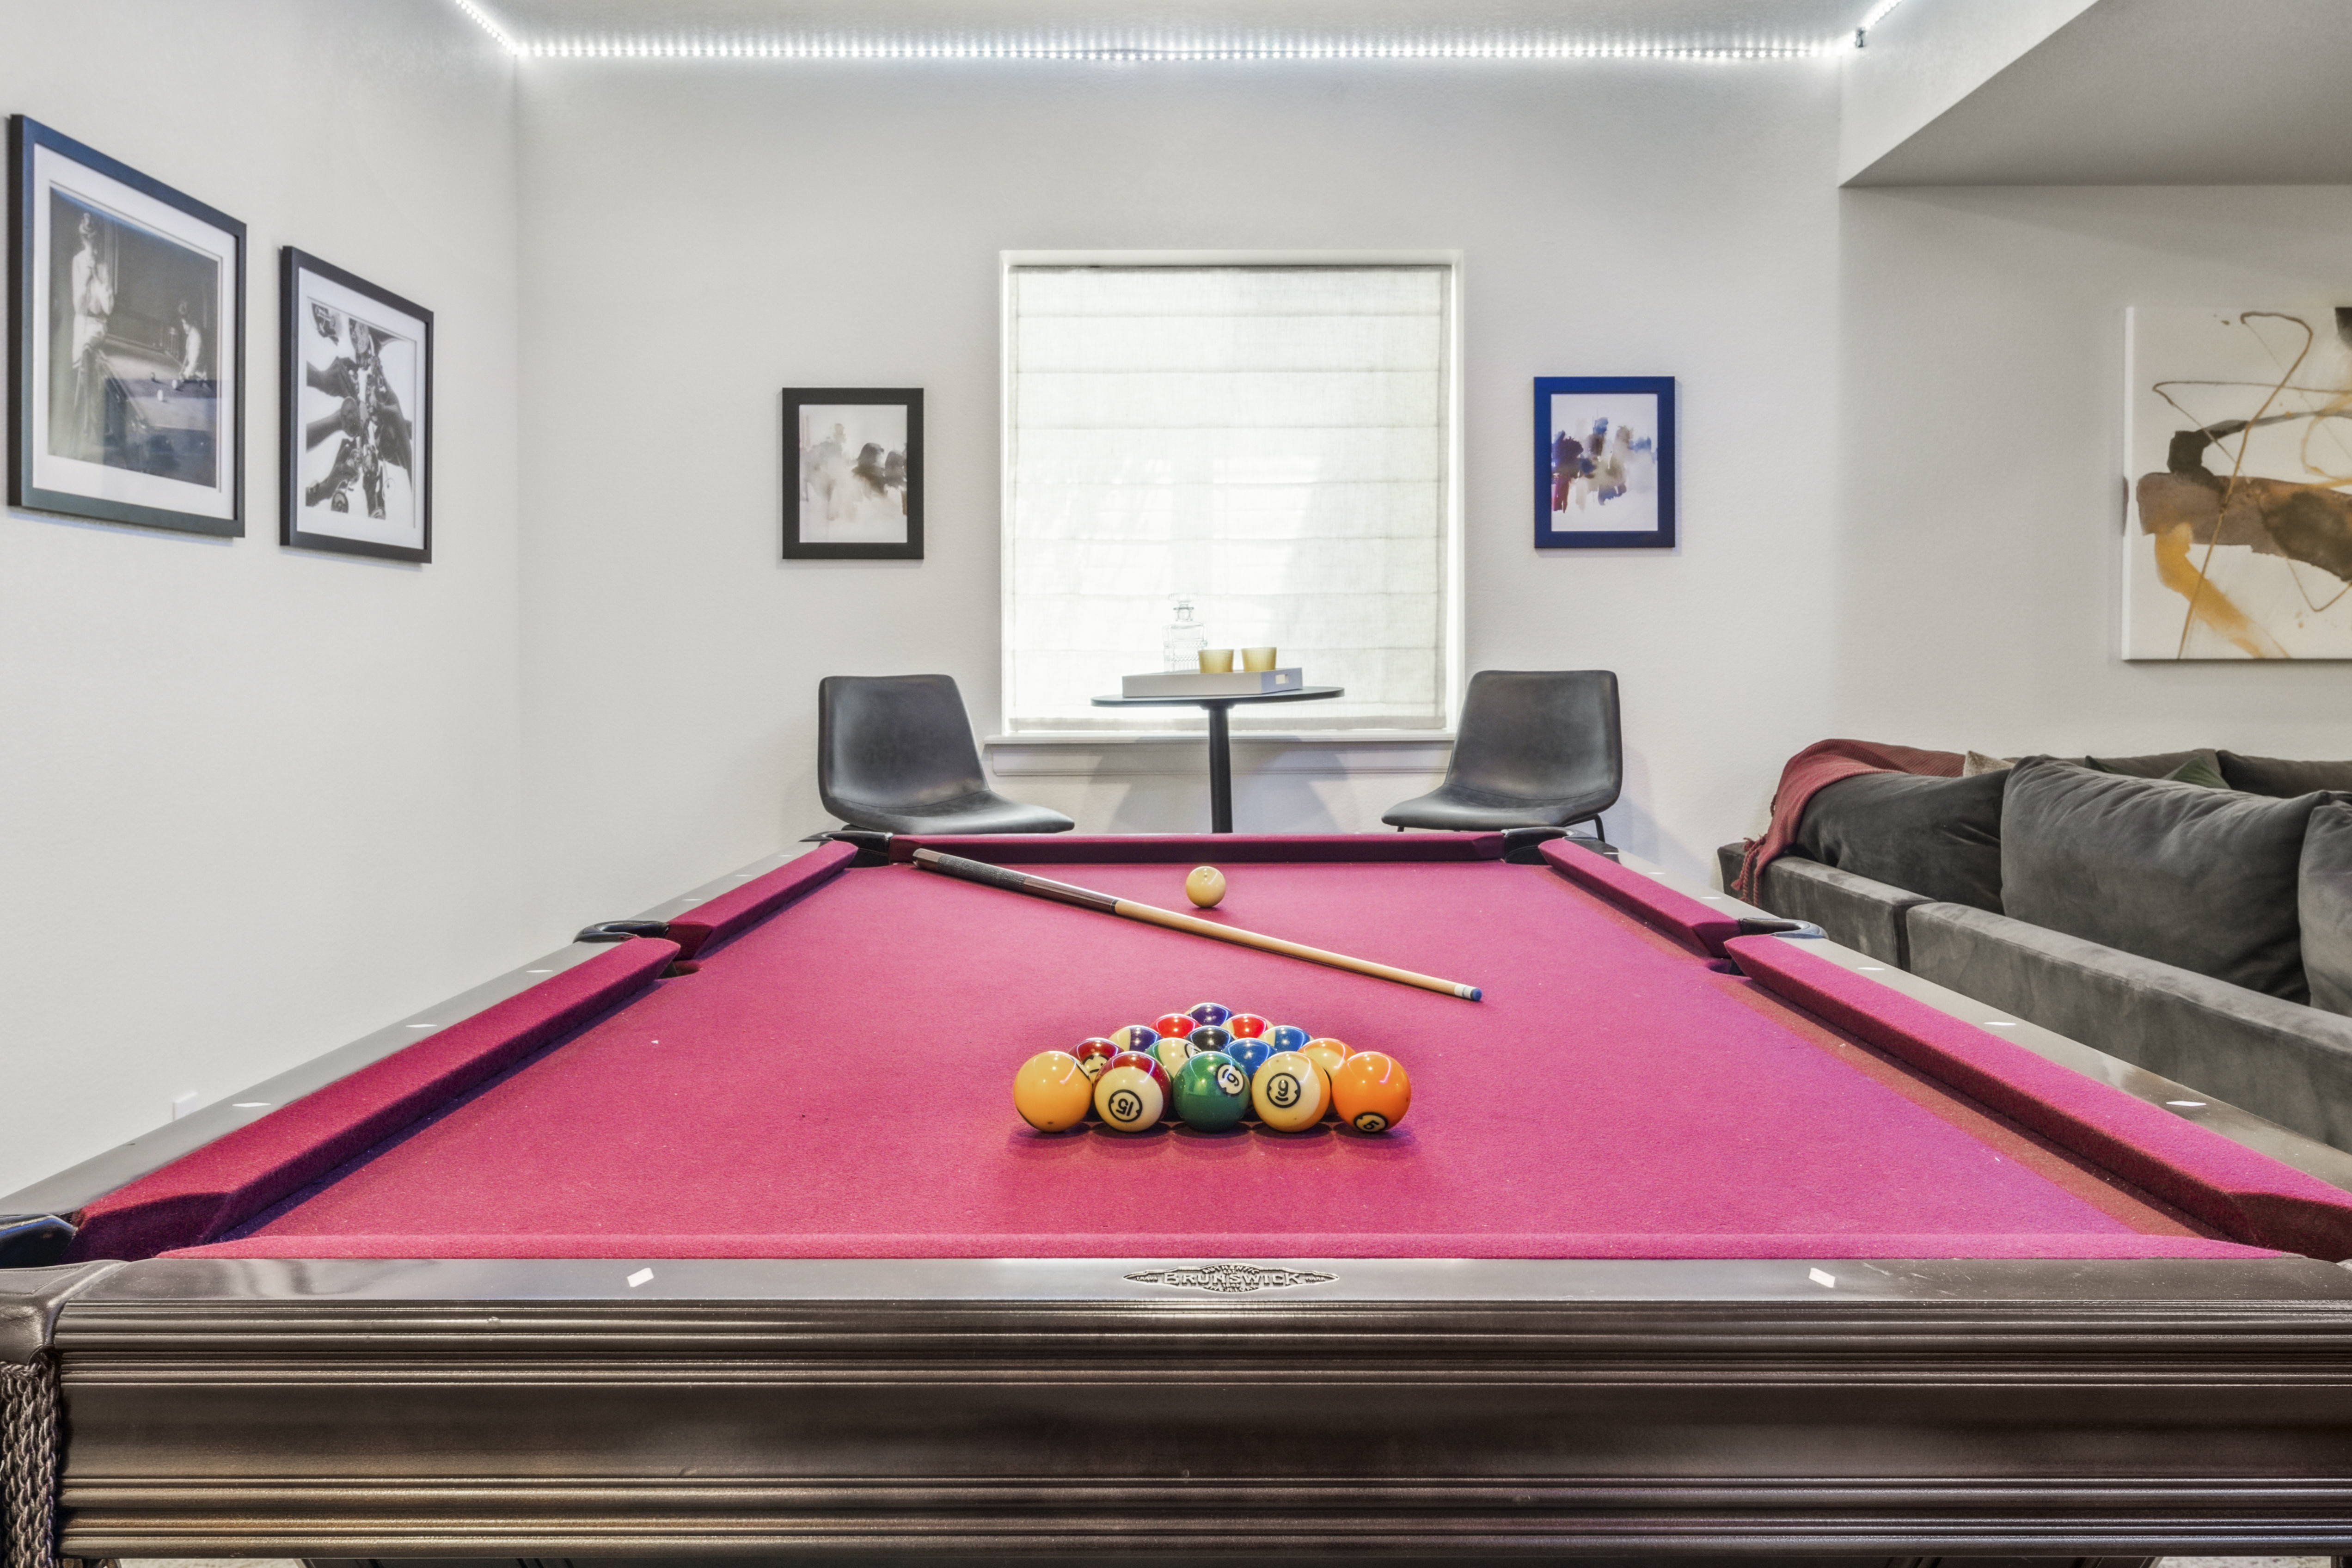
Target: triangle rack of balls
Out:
[1211,1068]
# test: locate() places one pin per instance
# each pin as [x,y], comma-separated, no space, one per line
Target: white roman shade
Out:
[1271,442]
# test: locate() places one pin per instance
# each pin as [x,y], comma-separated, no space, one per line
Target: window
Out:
[1275,444]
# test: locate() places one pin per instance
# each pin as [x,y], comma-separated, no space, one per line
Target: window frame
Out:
[1451,676]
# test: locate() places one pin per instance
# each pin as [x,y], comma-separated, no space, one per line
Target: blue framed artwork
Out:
[1604,462]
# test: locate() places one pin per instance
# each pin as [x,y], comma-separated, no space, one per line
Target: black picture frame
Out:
[127,363]
[355,397]
[1633,472]
[852,469]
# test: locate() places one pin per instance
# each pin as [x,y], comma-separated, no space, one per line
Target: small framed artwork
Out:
[853,473]
[355,411]
[1604,462]
[126,343]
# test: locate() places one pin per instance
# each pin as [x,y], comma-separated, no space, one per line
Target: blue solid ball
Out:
[1287,1036]
[1209,1012]
[1250,1054]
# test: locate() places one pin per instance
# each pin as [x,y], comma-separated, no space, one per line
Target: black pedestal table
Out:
[1220,741]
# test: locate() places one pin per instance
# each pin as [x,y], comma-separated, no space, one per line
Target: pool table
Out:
[726,1240]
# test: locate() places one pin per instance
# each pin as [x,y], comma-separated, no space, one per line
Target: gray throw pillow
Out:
[1937,837]
[2203,879]
[2326,907]
[2276,775]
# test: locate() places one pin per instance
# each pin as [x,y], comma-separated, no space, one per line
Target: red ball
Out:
[1247,1025]
[1174,1026]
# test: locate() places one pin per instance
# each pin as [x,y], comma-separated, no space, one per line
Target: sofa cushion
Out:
[2202,879]
[1937,837]
[2326,907]
[1864,915]
[2276,775]
[2291,1064]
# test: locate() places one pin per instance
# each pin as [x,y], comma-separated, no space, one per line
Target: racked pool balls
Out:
[1285,1036]
[1289,1092]
[1051,1091]
[1246,1025]
[1209,1012]
[1133,1092]
[1371,1091]
[1177,1024]
[1134,1038]
[1212,1091]
[1093,1055]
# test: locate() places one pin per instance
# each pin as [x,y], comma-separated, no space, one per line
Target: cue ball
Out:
[1205,886]
[1051,1091]
[1212,1091]
[1371,1091]
[1131,1092]
[1289,1092]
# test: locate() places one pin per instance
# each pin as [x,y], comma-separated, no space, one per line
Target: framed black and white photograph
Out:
[854,473]
[126,343]
[1604,462]
[355,395]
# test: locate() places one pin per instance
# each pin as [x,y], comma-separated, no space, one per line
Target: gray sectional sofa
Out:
[2204,933]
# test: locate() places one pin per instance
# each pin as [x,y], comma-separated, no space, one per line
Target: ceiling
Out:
[1680,25]
[2168,92]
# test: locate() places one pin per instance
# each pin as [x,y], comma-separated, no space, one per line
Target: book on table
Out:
[1185,683]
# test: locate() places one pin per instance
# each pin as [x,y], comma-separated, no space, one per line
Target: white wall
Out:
[698,236]
[1972,580]
[255,802]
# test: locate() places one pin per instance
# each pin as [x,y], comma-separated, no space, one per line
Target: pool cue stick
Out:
[1014,881]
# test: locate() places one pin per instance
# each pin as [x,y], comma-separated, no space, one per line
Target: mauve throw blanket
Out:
[1814,769]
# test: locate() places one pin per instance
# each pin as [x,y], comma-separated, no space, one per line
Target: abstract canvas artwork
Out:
[854,473]
[2238,529]
[1604,462]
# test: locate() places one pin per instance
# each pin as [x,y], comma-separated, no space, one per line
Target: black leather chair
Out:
[894,753]
[1536,748]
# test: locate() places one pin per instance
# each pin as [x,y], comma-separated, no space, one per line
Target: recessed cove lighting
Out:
[1112,43]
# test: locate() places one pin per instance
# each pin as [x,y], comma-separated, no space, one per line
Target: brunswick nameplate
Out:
[1231,1278]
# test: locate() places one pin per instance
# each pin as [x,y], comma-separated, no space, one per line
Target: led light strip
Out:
[1254,47]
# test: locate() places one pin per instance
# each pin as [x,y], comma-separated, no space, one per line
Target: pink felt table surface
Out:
[834,1082]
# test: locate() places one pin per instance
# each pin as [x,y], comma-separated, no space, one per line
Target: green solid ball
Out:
[1212,1090]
